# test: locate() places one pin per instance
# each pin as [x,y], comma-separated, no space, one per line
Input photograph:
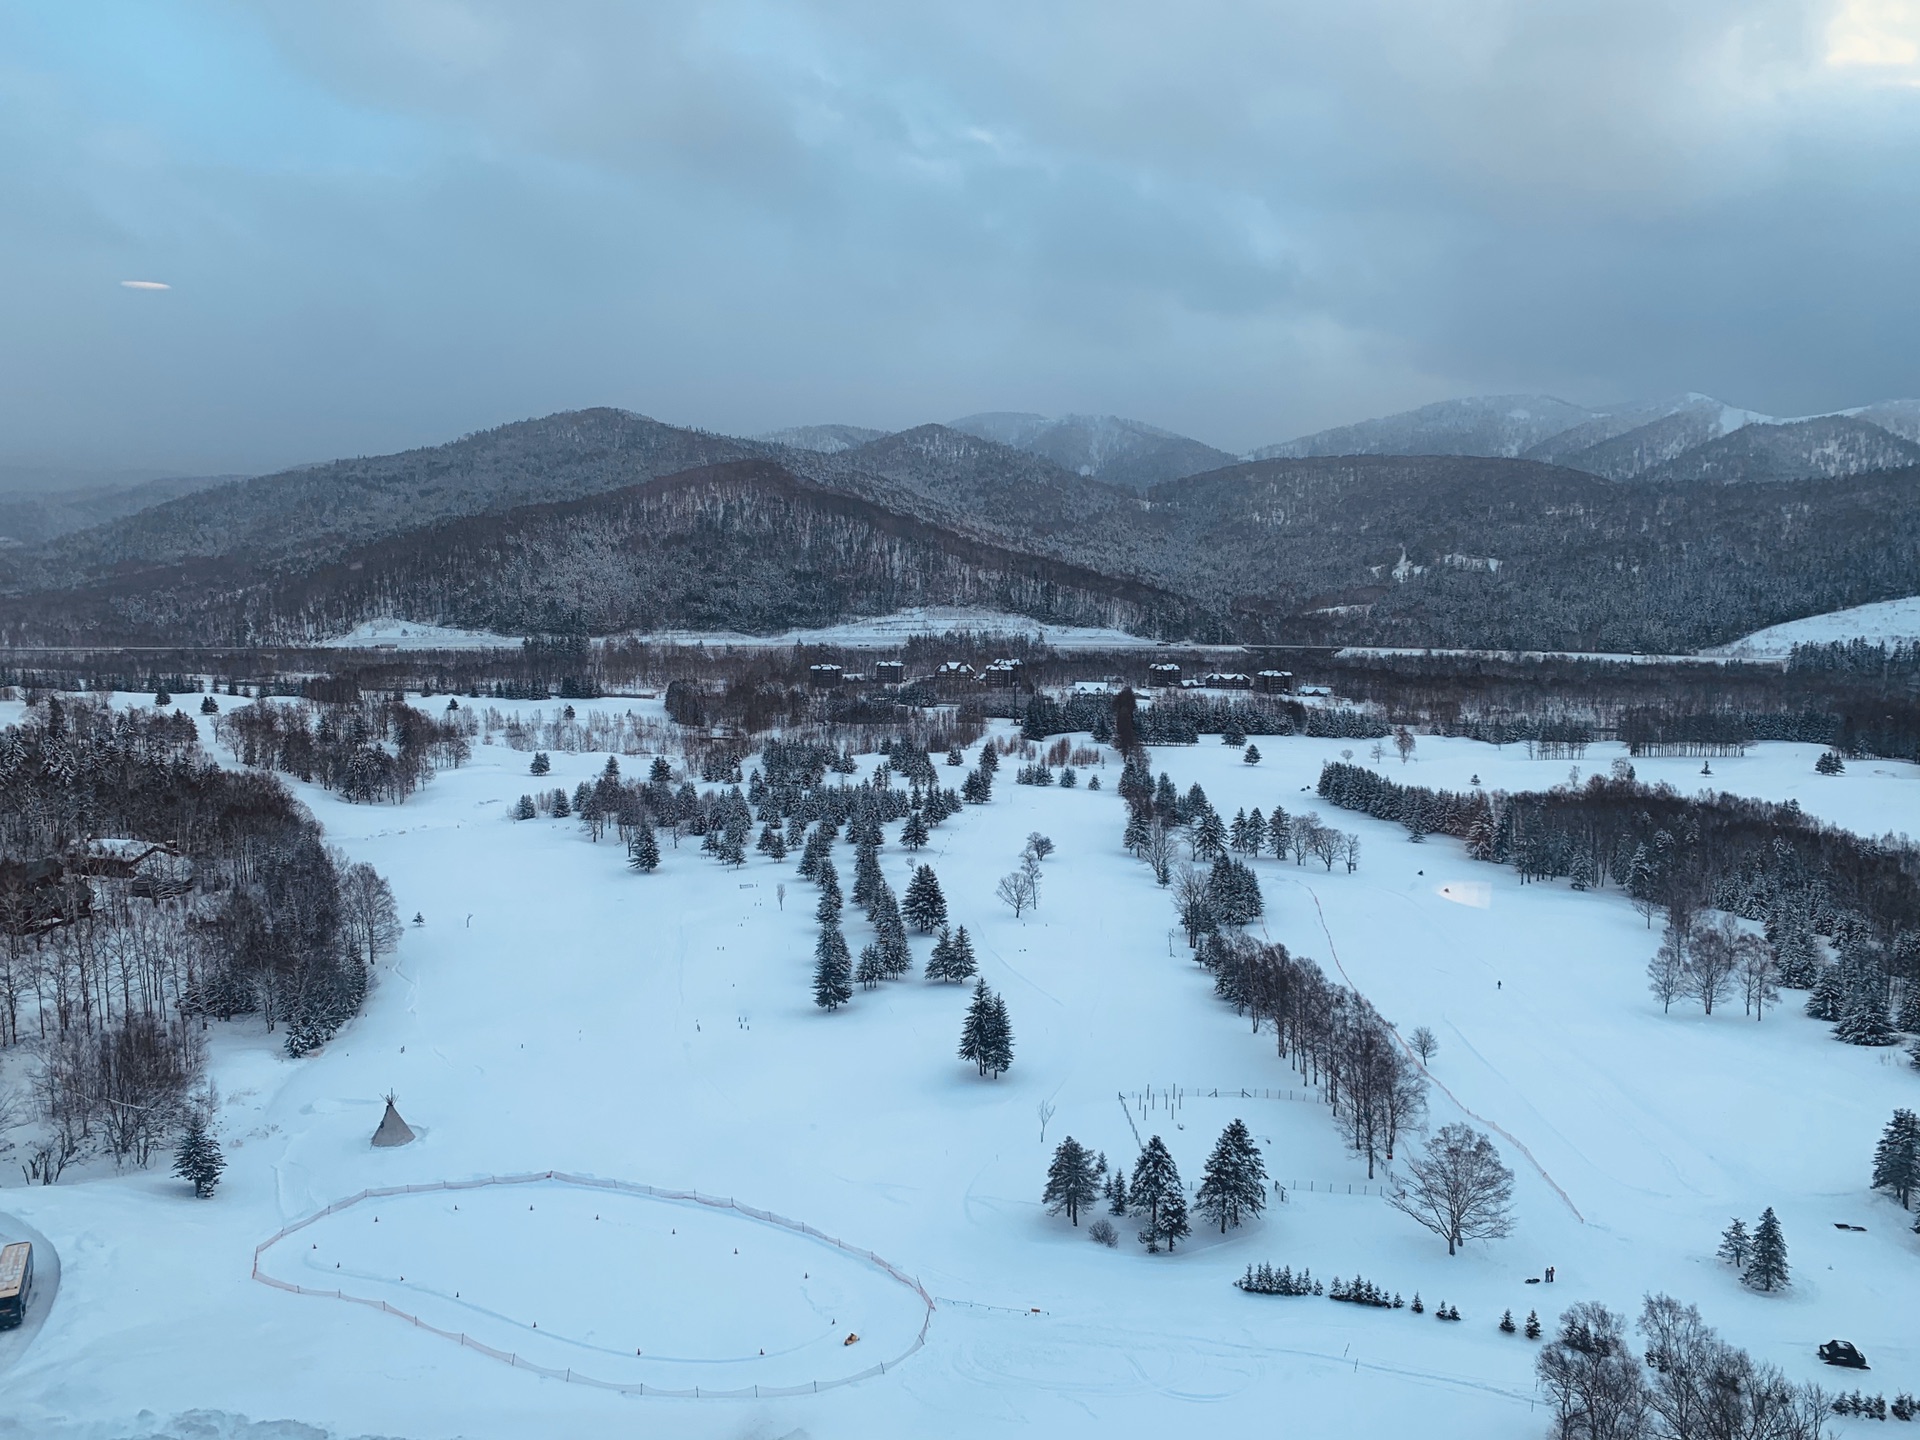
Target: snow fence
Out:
[576,1377]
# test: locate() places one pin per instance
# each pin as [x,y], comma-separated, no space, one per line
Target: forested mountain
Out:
[31,515]
[745,545]
[1829,445]
[313,513]
[827,439]
[1490,425]
[1447,551]
[1686,438]
[1121,452]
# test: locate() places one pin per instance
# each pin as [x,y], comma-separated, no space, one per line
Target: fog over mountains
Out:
[1505,521]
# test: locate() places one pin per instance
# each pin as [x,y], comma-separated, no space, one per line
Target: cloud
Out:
[145,285]
[405,219]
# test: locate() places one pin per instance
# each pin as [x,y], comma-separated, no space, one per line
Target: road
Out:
[46,1286]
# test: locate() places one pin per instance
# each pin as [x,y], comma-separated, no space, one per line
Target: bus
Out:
[16,1283]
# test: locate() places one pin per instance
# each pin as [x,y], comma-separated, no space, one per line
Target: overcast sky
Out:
[387,223]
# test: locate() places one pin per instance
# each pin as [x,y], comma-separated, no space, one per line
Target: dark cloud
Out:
[389,222]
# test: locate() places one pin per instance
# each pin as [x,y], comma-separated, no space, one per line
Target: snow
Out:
[390,633]
[875,631]
[1888,622]
[889,630]
[697,1061]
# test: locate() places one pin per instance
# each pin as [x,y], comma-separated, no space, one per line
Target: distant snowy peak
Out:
[1119,451]
[1689,437]
[1494,425]
[1826,447]
[823,439]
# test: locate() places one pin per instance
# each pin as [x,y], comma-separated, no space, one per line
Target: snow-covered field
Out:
[1888,622]
[697,1061]
[879,631]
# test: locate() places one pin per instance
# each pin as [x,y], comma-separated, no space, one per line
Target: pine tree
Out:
[1581,877]
[1909,1017]
[541,764]
[1158,1197]
[976,1032]
[832,970]
[914,834]
[1864,1021]
[952,957]
[1896,1159]
[1116,1192]
[198,1160]
[1532,1330]
[926,907]
[1233,1185]
[1827,999]
[643,852]
[1767,1266]
[1736,1245]
[1252,756]
[872,968]
[1507,1326]
[1073,1182]
[999,1040]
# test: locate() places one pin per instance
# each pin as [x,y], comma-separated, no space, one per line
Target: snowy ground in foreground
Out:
[1887,623]
[697,1060]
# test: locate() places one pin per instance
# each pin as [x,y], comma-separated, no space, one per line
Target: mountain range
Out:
[1510,522]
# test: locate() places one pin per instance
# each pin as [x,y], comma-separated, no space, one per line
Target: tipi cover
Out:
[393,1130]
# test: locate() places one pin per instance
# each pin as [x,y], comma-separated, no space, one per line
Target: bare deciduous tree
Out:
[1458,1189]
[1016,892]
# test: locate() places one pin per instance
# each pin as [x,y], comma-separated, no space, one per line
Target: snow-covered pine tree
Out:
[1158,1197]
[1234,1184]
[866,873]
[1116,1191]
[872,968]
[1864,1021]
[1767,1266]
[1736,1245]
[1909,1016]
[198,1160]
[896,958]
[1828,997]
[1896,1159]
[1580,877]
[1507,1327]
[999,1040]
[1073,1182]
[832,969]
[1532,1329]
[914,834]
[1208,836]
[957,963]
[976,1031]
[643,851]
[925,907]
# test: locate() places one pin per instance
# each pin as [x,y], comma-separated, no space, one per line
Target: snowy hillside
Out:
[1889,622]
[698,1062]
[1101,447]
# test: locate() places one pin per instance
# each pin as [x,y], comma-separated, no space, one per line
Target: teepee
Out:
[393,1130]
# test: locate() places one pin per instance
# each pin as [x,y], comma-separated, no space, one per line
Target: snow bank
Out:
[1888,622]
